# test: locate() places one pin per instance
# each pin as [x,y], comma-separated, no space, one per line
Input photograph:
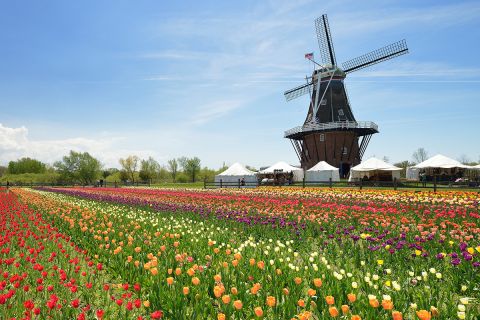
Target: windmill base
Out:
[338,148]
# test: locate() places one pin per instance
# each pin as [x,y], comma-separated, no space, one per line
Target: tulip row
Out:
[46,275]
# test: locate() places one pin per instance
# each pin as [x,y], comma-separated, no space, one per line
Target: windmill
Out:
[330,132]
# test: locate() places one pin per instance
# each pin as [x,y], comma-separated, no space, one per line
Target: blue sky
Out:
[206,78]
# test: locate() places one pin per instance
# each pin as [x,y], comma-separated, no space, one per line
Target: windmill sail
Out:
[388,52]
[325,42]
[298,91]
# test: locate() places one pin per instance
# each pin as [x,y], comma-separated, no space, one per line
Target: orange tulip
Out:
[374,303]
[237,304]
[330,300]
[186,290]
[306,315]
[311,292]
[169,281]
[387,304]
[298,280]
[333,311]
[195,281]
[424,315]
[221,316]
[258,312]
[317,282]
[271,301]
[301,303]
[255,288]
[355,317]
[352,297]
[397,315]
[234,291]
[345,309]
[226,299]
[218,291]
[217,278]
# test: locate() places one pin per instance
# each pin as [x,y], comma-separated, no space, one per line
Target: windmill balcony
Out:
[361,127]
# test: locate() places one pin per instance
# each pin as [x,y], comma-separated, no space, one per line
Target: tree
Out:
[148,169]
[26,165]
[404,165]
[78,167]
[464,159]
[385,158]
[129,165]
[182,161]
[207,174]
[163,174]
[173,168]
[190,166]
[3,170]
[223,168]
[420,155]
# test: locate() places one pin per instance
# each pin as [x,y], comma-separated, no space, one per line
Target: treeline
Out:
[83,168]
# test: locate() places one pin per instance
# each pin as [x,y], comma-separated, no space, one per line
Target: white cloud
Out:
[214,110]
[15,143]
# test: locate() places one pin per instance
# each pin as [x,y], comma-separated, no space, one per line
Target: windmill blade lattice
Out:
[325,42]
[388,52]
[298,91]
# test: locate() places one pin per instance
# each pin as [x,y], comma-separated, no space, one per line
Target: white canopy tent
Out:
[284,167]
[441,161]
[412,173]
[322,171]
[374,167]
[235,173]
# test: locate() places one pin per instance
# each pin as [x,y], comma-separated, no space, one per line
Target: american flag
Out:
[309,56]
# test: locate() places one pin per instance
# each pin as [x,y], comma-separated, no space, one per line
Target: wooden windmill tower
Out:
[330,132]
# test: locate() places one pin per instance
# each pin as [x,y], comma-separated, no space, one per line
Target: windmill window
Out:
[344,150]
[322,137]
[340,112]
[323,102]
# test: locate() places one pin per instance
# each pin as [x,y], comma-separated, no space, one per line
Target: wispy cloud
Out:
[214,110]
[15,143]
[175,55]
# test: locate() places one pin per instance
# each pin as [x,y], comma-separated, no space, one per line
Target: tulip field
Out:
[263,253]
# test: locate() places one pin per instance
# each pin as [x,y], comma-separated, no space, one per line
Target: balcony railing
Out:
[340,125]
